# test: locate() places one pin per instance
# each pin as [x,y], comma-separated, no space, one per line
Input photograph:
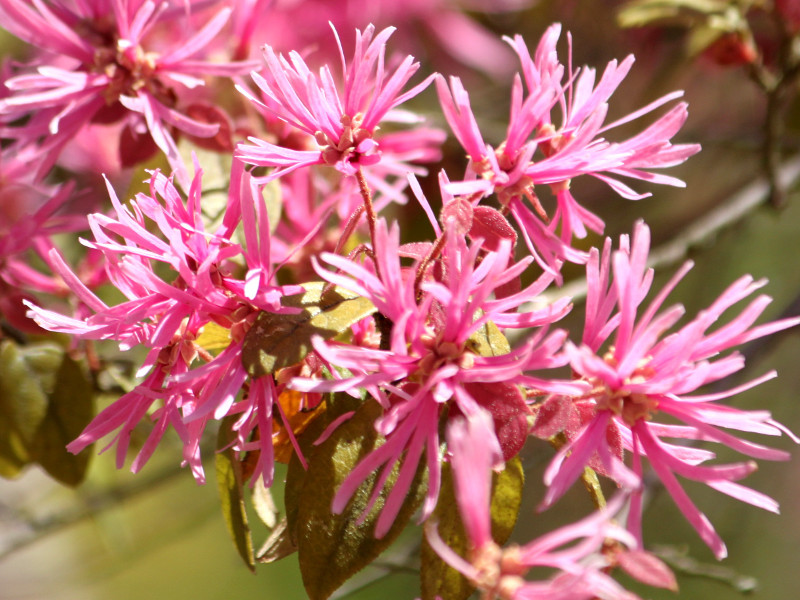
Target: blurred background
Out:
[159,535]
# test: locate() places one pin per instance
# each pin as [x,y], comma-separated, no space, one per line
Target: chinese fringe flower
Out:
[574,551]
[342,124]
[179,282]
[453,33]
[647,373]
[431,361]
[106,61]
[568,149]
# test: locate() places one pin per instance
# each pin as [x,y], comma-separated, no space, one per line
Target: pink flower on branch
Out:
[430,362]
[106,73]
[538,151]
[647,373]
[342,123]
[180,279]
[574,551]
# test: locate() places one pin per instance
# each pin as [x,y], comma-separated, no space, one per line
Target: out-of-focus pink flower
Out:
[574,551]
[539,151]
[647,373]
[341,123]
[430,362]
[447,25]
[99,64]
[30,212]
[178,279]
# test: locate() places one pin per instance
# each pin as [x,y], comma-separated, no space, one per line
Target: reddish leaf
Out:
[206,113]
[732,49]
[459,211]
[554,415]
[509,411]
[490,225]
[415,250]
[135,147]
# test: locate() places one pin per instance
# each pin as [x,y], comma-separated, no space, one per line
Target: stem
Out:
[51,524]
[435,250]
[734,209]
[366,194]
[348,229]
[777,88]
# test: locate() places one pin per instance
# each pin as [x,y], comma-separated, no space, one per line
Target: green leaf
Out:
[333,547]
[273,200]
[231,491]
[27,377]
[45,402]
[488,340]
[216,179]
[506,499]
[70,408]
[277,341]
[13,455]
[437,577]
[688,12]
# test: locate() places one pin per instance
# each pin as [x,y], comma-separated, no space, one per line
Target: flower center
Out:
[355,146]
[628,406]
[441,353]
[498,571]
[129,69]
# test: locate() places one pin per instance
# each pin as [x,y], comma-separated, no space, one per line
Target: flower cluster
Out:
[280,303]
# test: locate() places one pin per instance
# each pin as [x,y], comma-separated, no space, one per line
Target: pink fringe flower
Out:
[104,72]
[342,124]
[178,281]
[646,374]
[568,150]
[429,362]
[574,551]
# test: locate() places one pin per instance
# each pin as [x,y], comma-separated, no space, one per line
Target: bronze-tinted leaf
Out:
[335,406]
[231,491]
[333,547]
[640,13]
[276,341]
[440,580]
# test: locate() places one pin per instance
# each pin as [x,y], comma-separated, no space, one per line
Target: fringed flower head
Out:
[341,120]
[183,285]
[647,379]
[443,349]
[538,151]
[108,71]
[574,551]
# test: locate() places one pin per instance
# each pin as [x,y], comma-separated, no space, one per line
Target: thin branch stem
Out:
[372,219]
[91,506]
[435,250]
[677,249]
[777,87]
